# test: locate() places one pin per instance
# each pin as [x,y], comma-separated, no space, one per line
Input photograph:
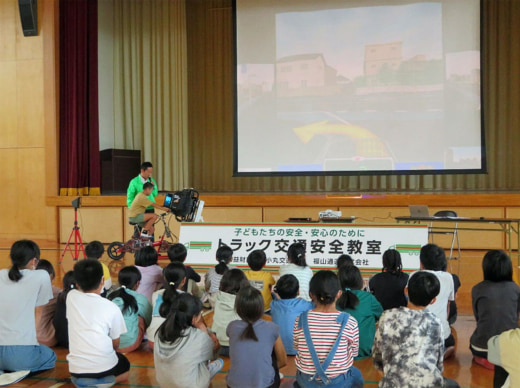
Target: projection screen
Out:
[358,87]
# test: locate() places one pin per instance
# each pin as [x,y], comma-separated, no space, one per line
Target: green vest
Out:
[136,186]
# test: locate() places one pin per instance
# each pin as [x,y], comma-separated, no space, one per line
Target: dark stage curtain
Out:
[79,122]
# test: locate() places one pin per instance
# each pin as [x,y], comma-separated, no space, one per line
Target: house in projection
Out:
[305,75]
[381,61]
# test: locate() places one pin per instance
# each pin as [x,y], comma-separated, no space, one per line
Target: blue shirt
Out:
[132,318]
[284,312]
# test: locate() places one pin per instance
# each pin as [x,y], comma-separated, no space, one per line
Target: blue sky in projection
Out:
[341,34]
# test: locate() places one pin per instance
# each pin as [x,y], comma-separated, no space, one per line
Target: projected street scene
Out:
[360,89]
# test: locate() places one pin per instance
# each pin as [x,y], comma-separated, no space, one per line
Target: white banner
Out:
[324,243]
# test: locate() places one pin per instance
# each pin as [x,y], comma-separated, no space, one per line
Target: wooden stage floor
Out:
[142,374]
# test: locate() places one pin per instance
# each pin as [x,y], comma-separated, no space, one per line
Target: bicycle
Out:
[117,250]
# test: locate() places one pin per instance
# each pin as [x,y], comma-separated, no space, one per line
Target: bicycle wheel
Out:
[116,250]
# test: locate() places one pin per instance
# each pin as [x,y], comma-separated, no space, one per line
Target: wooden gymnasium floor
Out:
[142,373]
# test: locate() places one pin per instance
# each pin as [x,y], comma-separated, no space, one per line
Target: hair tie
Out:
[347,289]
[299,255]
[71,286]
[222,261]
[172,284]
[123,287]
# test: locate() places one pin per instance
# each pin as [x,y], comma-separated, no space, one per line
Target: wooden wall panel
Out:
[30,47]
[103,224]
[8,113]
[23,149]
[33,217]
[280,214]
[365,214]
[8,19]
[8,189]
[29,103]
[374,214]
[513,212]
[475,239]
[232,214]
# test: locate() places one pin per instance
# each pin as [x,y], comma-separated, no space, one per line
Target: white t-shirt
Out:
[447,293]
[17,303]
[303,274]
[93,323]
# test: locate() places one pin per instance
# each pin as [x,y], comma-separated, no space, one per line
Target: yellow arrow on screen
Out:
[367,143]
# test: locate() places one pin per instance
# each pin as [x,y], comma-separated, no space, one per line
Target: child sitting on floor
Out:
[136,309]
[224,256]
[60,323]
[95,250]
[286,308]
[177,252]
[231,282]
[95,327]
[388,286]
[174,277]
[362,305]
[433,260]
[151,273]
[503,352]
[409,345]
[326,339]
[256,350]
[496,303]
[261,280]
[45,332]
[184,346]
[22,288]
[298,267]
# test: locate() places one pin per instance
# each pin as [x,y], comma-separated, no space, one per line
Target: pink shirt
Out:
[151,280]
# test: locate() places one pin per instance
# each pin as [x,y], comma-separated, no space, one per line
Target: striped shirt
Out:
[324,331]
[213,279]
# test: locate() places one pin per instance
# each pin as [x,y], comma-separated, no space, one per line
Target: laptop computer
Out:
[419,211]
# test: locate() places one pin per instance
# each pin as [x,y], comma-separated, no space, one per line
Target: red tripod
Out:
[78,243]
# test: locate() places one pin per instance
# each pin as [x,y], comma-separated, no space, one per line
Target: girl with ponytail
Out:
[362,305]
[388,285]
[136,309]
[174,278]
[23,288]
[224,257]
[297,266]
[184,346]
[253,336]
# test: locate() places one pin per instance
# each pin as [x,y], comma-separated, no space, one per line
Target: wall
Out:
[28,150]
[278,208]
[368,209]
[211,112]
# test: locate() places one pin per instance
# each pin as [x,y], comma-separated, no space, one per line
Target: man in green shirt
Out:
[136,186]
